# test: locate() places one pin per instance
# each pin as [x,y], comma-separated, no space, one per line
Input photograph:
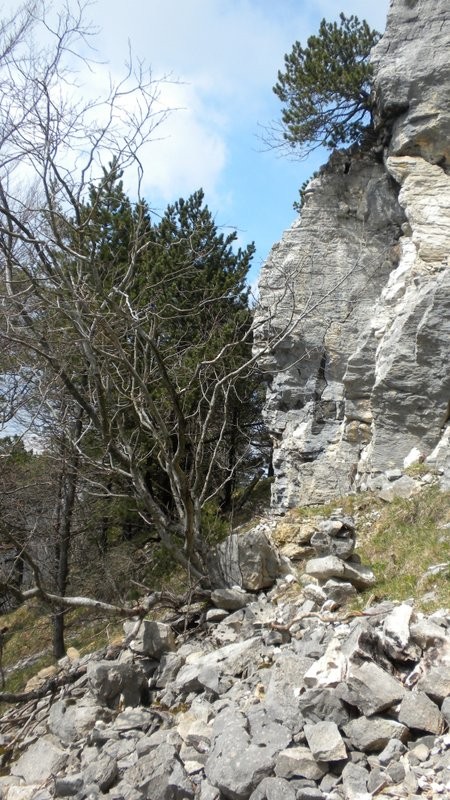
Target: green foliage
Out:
[170,310]
[326,86]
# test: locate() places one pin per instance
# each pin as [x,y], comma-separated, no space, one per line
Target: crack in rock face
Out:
[361,384]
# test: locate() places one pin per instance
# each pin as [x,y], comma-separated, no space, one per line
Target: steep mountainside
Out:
[361,385]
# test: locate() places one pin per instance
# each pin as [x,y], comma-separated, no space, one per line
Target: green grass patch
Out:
[402,541]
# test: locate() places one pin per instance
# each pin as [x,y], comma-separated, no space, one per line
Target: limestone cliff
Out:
[361,381]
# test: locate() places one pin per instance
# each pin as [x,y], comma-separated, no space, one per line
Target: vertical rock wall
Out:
[360,285]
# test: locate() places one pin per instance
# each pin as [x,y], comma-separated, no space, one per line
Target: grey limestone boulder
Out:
[206,670]
[427,633]
[331,566]
[418,712]
[109,681]
[325,741]
[246,560]
[284,690]
[324,705]
[338,592]
[45,757]
[373,734]
[230,599]
[169,666]
[149,638]
[101,771]
[299,762]
[71,721]
[152,773]
[396,634]
[274,789]
[374,689]
[354,781]
[68,785]
[235,764]
[436,682]
[334,537]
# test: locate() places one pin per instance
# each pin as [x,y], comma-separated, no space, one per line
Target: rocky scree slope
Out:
[361,385]
[280,693]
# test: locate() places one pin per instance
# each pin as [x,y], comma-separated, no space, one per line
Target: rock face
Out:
[413,76]
[358,288]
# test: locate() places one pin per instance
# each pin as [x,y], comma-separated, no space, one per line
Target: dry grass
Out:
[28,643]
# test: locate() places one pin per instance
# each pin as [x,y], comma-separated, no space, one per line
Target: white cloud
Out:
[226,54]
[188,151]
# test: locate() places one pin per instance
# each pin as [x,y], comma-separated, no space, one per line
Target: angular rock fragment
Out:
[169,666]
[205,671]
[334,537]
[333,567]
[246,560]
[374,689]
[393,750]
[68,785]
[41,760]
[102,771]
[436,682]
[109,681]
[325,567]
[265,732]
[274,789]
[230,599]
[321,705]
[325,741]
[133,719]
[152,773]
[418,712]
[359,575]
[149,638]
[71,721]
[338,592]
[403,487]
[330,670]
[354,780]
[216,615]
[235,765]
[372,735]
[426,633]
[298,762]
[283,693]
[396,634]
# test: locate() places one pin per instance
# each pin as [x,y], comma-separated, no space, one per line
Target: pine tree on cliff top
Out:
[326,87]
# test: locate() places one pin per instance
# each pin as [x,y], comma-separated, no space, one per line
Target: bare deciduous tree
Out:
[77,322]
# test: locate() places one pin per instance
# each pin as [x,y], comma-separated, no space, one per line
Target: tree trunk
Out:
[69,479]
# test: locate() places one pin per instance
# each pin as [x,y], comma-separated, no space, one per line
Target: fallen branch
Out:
[278,626]
[49,687]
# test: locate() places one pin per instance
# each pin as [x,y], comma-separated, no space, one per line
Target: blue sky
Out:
[220,59]
[226,54]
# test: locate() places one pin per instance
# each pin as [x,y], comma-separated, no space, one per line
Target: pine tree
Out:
[185,281]
[326,86]
[198,285]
